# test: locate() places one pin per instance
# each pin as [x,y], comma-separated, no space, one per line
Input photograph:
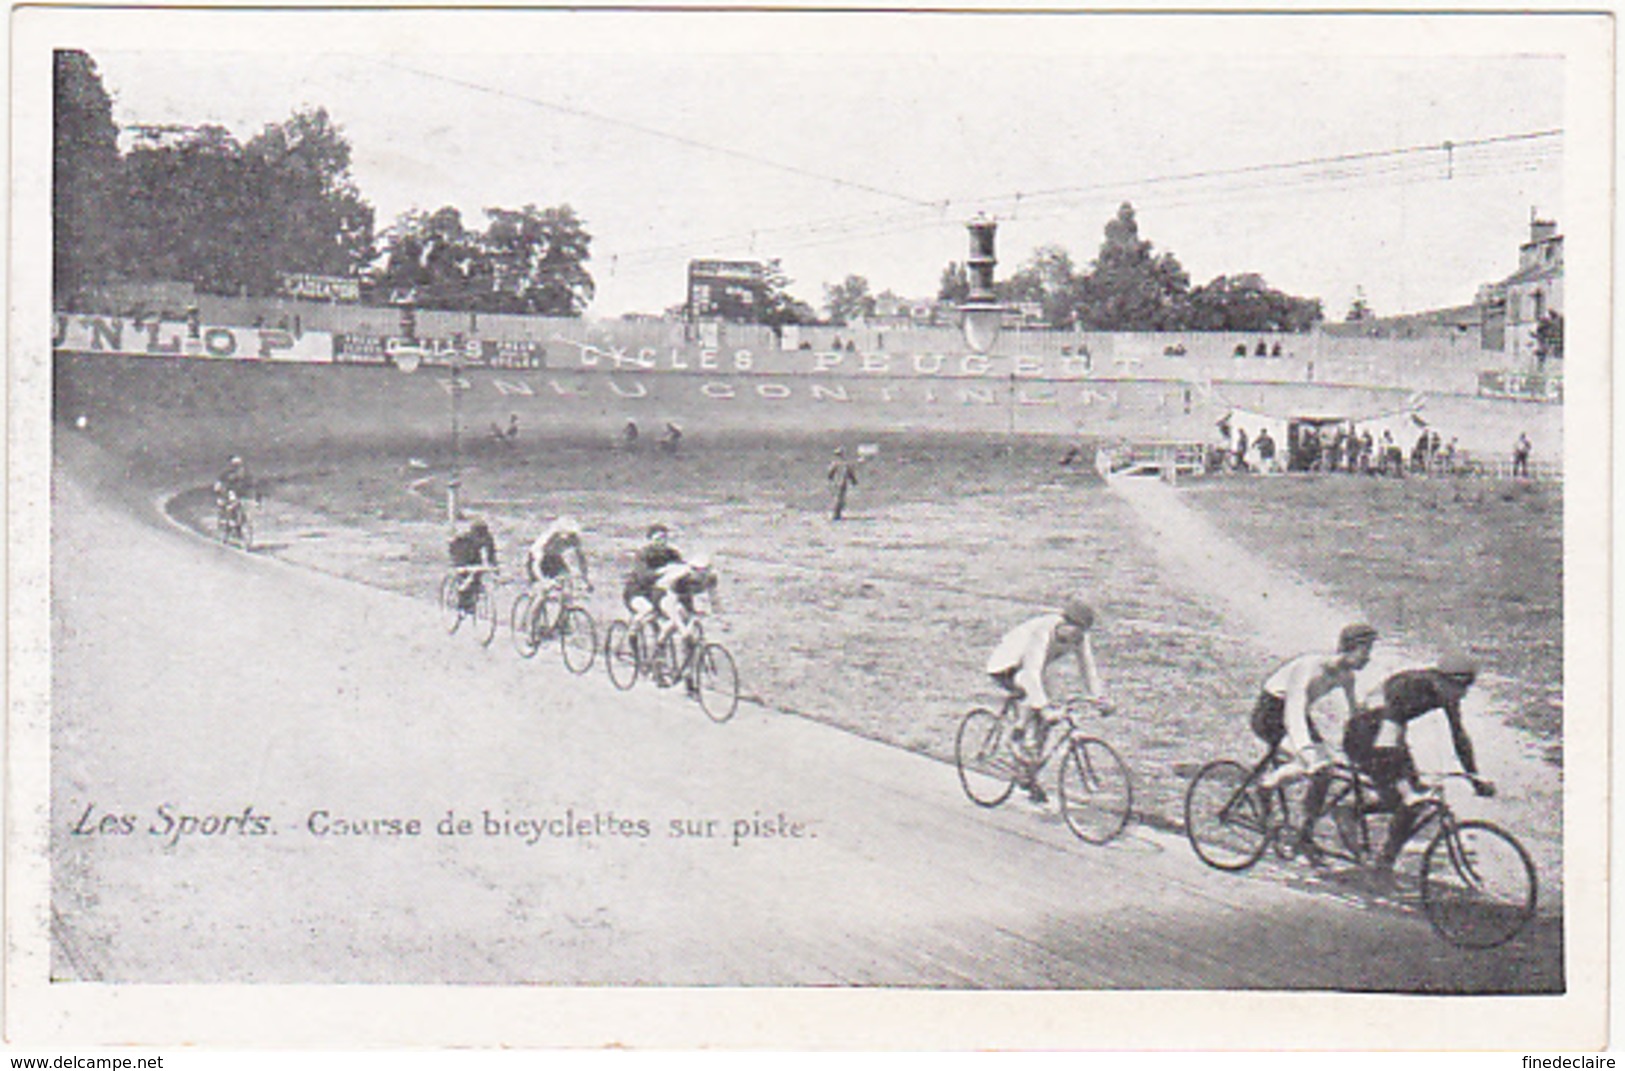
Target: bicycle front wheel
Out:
[987,770]
[1096,796]
[485,616]
[621,655]
[578,639]
[1478,884]
[245,532]
[1224,822]
[717,681]
[519,622]
[451,614]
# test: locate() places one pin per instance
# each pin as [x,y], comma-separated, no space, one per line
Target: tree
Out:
[778,306]
[1549,337]
[537,261]
[1359,309]
[1130,288]
[1049,279]
[234,218]
[849,300]
[86,233]
[302,169]
[528,260]
[954,286]
[1246,303]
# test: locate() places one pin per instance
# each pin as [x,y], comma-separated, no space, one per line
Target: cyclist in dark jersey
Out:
[474,547]
[639,593]
[1374,741]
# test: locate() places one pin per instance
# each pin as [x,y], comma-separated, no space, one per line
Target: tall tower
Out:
[979,265]
[981,314]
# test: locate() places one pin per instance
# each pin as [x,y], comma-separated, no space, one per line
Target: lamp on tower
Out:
[981,315]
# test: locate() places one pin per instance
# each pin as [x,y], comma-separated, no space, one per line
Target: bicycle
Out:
[707,670]
[233,522]
[483,612]
[552,609]
[1477,884]
[1095,791]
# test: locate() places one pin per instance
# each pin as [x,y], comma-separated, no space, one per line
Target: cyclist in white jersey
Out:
[1025,656]
[545,562]
[675,586]
[1280,718]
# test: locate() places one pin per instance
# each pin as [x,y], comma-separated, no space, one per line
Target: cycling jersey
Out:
[1021,658]
[640,582]
[545,558]
[681,580]
[1406,696]
[1288,693]
[473,548]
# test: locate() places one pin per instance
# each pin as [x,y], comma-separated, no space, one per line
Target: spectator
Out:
[673,436]
[1393,458]
[1241,349]
[1419,454]
[1262,350]
[842,474]
[1520,455]
[1241,449]
[1334,456]
[629,434]
[1266,450]
[1367,447]
[1450,456]
[1275,350]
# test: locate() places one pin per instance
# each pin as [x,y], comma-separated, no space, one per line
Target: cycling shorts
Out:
[635,593]
[1269,720]
[552,566]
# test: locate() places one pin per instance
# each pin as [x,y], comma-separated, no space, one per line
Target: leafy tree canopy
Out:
[527,260]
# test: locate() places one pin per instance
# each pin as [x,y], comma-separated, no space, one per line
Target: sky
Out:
[1310,151]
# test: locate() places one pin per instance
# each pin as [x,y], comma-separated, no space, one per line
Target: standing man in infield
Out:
[842,475]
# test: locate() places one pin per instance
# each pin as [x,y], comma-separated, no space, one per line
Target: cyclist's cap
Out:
[479,525]
[1458,667]
[1077,612]
[567,523]
[1358,635]
[657,529]
[235,460]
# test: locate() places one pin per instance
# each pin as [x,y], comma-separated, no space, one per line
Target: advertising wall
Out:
[179,338]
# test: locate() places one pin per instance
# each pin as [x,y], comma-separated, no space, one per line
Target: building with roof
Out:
[1514,308]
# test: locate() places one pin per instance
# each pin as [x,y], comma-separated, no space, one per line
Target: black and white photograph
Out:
[809,529]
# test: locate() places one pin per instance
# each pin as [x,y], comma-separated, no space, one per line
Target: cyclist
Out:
[1375,743]
[471,548]
[639,592]
[1019,663]
[545,562]
[232,486]
[676,586]
[1281,715]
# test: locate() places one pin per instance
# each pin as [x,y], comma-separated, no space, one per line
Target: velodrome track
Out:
[207,681]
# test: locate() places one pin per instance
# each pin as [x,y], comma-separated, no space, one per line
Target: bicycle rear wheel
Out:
[621,655]
[987,770]
[1478,884]
[525,640]
[1223,820]
[451,614]
[717,681]
[667,669]
[1096,796]
[578,639]
[485,616]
